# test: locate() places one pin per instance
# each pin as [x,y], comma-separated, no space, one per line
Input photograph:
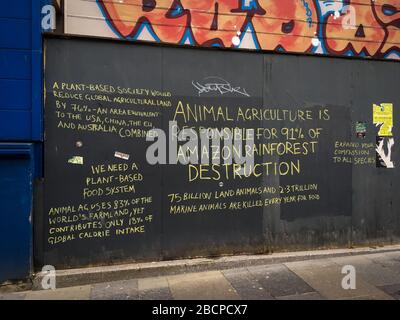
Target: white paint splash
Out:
[315,42]
[386,158]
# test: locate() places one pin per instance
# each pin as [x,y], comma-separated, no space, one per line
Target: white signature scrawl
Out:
[219,85]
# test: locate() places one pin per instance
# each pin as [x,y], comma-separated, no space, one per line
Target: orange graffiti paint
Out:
[288,24]
[128,17]
[365,37]
[214,22]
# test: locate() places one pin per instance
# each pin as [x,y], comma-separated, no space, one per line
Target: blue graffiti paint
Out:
[177,11]
[320,30]
[389,10]
[146,25]
[308,13]
[252,4]
[187,36]
[249,27]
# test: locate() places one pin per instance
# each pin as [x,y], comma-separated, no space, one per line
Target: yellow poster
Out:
[383,116]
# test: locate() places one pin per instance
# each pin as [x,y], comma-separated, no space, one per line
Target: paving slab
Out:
[154,289]
[389,260]
[12,296]
[377,277]
[279,281]
[163,293]
[358,298]
[152,283]
[72,293]
[372,272]
[84,276]
[304,296]
[245,285]
[116,290]
[393,290]
[210,285]
[326,278]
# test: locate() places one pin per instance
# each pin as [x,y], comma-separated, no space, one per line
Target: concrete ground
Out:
[377,277]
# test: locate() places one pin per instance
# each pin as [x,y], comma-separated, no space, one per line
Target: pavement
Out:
[377,277]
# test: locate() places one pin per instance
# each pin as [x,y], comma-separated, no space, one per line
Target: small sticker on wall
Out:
[384,147]
[361,129]
[76,160]
[121,155]
[383,118]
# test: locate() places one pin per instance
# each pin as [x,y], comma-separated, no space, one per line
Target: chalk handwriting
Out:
[219,85]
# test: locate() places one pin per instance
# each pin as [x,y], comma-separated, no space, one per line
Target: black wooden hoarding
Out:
[316,179]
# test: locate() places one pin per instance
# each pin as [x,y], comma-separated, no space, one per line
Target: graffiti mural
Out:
[362,28]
